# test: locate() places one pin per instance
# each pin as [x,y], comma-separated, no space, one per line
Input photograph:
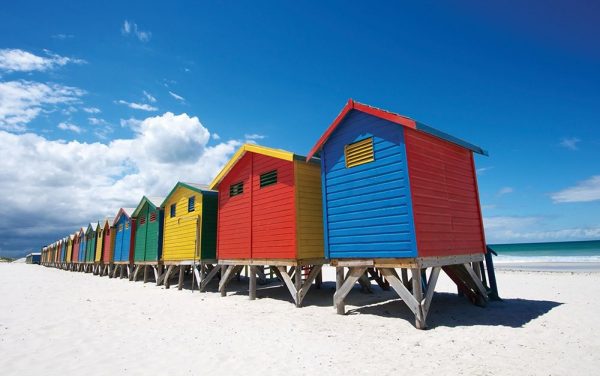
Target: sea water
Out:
[554,252]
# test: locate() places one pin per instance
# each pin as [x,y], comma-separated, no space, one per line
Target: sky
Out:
[103,103]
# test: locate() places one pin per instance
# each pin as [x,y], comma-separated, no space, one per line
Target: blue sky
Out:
[94,84]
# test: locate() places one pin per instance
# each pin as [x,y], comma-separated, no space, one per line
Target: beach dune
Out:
[57,322]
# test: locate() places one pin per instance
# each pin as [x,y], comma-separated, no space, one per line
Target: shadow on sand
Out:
[447,309]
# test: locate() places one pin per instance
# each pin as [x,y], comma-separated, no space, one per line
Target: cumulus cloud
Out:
[69,127]
[53,176]
[22,101]
[584,191]
[131,28]
[138,106]
[16,60]
[570,143]
[178,97]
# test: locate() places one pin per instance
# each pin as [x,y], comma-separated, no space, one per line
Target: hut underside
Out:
[417,291]
[297,275]
[145,267]
[202,271]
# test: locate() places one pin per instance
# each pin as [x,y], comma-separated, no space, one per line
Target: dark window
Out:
[191,203]
[152,216]
[268,178]
[236,189]
[173,210]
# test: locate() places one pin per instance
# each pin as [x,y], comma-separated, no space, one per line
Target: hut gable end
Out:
[367,205]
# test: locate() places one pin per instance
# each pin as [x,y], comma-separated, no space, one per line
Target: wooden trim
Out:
[274,262]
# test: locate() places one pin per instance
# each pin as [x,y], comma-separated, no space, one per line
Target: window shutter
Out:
[191,203]
[236,189]
[152,216]
[359,152]
[268,178]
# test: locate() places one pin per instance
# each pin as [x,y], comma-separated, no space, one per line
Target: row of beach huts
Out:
[380,197]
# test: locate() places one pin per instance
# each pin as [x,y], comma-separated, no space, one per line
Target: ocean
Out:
[554,252]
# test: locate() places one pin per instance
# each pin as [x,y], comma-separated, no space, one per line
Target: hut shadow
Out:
[275,289]
[451,310]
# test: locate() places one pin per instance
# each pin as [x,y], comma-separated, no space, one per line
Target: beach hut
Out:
[90,247]
[108,243]
[82,249]
[270,215]
[75,255]
[399,194]
[189,232]
[69,251]
[33,258]
[148,237]
[63,253]
[98,260]
[124,226]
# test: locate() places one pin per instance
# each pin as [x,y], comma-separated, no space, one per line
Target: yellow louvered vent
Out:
[359,152]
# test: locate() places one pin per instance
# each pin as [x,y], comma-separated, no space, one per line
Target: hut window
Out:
[359,152]
[126,225]
[173,210]
[152,217]
[191,203]
[121,227]
[142,220]
[107,231]
[268,178]
[236,189]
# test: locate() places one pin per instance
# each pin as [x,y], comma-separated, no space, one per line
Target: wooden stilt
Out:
[167,276]
[145,273]
[206,280]
[339,281]
[252,283]
[181,276]
[340,294]
[418,294]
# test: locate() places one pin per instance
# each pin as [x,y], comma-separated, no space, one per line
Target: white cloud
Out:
[62,36]
[22,101]
[584,191]
[215,136]
[16,60]
[97,121]
[254,136]
[92,110]
[482,170]
[131,28]
[508,229]
[149,97]
[138,106]
[570,143]
[505,190]
[178,97]
[69,127]
[163,150]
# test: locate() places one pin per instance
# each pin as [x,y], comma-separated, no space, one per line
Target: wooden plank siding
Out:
[181,233]
[444,194]
[99,242]
[367,208]
[309,212]
[108,243]
[261,221]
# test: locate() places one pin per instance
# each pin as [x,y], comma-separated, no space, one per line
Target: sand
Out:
[56,322]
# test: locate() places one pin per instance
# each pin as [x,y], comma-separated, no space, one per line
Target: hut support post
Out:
[297,287]
[181,276]
[167,276]
[230,272]
[145,273]
[344,285]
[418,295]
[211,274]
[252,283]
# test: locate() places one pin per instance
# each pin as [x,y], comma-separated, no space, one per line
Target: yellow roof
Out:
[252,148]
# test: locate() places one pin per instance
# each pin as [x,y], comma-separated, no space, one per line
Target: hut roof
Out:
[394,118]
[253,148]
[200,188]
[126,211]
[154,201]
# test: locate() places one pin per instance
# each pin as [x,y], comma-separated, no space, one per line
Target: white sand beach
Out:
[57,322]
